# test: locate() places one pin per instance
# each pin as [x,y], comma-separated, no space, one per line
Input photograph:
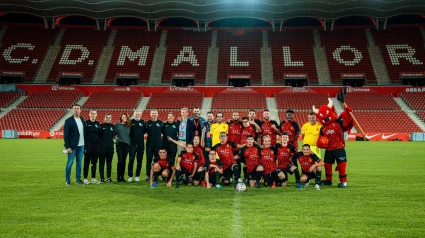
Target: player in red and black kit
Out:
[251,157]
[268,161]
[213,170]
[187,164]
[225,153]
[286,162]
[252,118]
[291,128]
[235,131]
[269,128]
[250,128]
[311,166]
[162,166]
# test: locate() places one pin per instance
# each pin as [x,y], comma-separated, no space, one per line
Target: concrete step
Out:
[411,113]
[59,124]
[14,105]
[143,103]
[206,106]
[272,106]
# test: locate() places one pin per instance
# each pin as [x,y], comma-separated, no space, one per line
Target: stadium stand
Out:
[34,119]
[415,100]
[386,122]
[116,113]
[244,48]
[133,53]
[113,100]
[239,100]
[371,101]
[303,101]
[163,113]
[50,100]
[175,100]
[421,114]
[402,50]
[80,51]
[180,45]
[6,98]
[300,116]
[24,48]
[301,44]
[353,56]
[228,113]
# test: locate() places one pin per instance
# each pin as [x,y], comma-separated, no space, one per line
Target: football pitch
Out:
[385,197]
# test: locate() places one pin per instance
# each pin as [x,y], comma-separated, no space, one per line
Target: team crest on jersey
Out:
[140,124]
[174,126]
[157,124]
[111,128]
[96,125]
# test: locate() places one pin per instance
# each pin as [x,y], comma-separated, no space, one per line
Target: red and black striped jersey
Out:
[307,161]
[250,155]
[188,160]
[285,155]
[225,153]
[268,160]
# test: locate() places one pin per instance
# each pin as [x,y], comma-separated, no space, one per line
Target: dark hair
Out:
[251,110]
[250,136]
[312,113]
[162,148]
[284,134]
[223,133]
[245,118]
[266,110]
[195,108]
[210,112]
[306,145]
[189,143]
[76,105]
[290,111]
[170,113]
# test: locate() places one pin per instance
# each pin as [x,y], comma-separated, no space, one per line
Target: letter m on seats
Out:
[126,52]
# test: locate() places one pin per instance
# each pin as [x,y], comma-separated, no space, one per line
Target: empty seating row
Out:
[300,100]
[371,101]
[118,100]
[387,121]
[50,100]
[239,100]
[415,100]
[175,99]
[7,98]
[30,119]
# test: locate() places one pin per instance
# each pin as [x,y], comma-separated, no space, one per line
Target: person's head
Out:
[223,137]
[219,117]
[235,116]
[251,114]
[108,118]
[196,140]
[77,110]
[170,117]
[125,119]
[267,141]
[137,114]
[154,114]
[289,114]
[162,153]
[93,115]
[210,117]
[284,138]
[184,112]
[189,147]
[212,156]
[266,115]
[196,112]
[250,140]
[306,149]
[245,121]
[312,118]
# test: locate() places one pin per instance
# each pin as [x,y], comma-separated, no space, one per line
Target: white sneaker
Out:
[317,187]
[93,180]
[86,182]
[130,179]
[137,179]
[306,184]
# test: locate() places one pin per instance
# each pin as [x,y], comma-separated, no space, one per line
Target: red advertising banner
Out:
[239,76]
[413,74]
[132,75]
[295,76]
[353,75]
[183,75]
[20,73]
[71,74]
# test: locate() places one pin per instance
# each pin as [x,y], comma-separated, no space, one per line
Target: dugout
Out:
[239,80]
[69,78]
[183,79]
[413,79]
[8,77]
[127,79]
[353,79]
[295,80]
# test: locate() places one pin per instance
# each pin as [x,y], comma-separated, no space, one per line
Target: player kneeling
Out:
[250,155]
[187,165]
[213,170]
[310,166]
[286,164]
[164,167]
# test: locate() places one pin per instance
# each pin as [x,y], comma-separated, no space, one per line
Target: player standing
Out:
[217,128]
[269,128]
[291,128]
[310,132]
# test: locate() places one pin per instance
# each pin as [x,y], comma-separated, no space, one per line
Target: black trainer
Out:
[109,180]
[257,185]
[326,183]
[79,182]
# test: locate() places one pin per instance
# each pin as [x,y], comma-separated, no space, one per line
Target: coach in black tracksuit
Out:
[153,129]
[106,149]
[137,146]
[91,147]
[170,129]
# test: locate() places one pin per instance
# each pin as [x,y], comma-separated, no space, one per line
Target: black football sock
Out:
[258,175]
[245,172]
[178,174]
[155,176]
[297,175]
[318,177]
[200,175]
[237,173]
[217,177]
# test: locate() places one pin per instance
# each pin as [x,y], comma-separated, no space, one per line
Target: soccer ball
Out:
[240,187]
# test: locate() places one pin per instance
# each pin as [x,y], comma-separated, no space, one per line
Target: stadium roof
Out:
[201,10]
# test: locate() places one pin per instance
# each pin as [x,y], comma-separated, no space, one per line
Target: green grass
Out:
[385,198]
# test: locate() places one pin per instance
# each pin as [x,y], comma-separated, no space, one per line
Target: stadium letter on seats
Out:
[409,55]
[7,53]
[191,57]
[287,61]
[357,55]
[126,52]
[67,52]
[234,58]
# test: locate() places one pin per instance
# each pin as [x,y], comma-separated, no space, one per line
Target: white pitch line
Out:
[237,222]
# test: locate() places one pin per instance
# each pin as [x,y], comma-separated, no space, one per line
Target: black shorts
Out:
[310,175]
[338,155]
[227,173]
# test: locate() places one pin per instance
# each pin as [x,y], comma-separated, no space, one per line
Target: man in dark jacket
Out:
[74,131]
[137,145]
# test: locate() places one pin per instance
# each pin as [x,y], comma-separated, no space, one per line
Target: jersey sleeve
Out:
[219,164]
[296,126]
[292,148]
[215,146]
[196,157]
[232,144]
[241,153]
[315,158]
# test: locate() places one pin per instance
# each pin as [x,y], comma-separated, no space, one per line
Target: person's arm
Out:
[170,181]
[204,129]
[207,177]
[303,128]
[297,130]
[176,142]
[178,162]
[67,128]
[257,127]
[195,168]
[318,163]
[275,128]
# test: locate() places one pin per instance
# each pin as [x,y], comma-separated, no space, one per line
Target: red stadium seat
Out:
[7,98]
[50,100]
[30,119]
